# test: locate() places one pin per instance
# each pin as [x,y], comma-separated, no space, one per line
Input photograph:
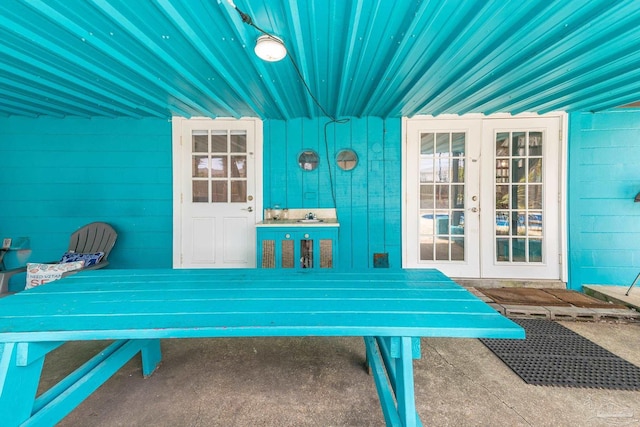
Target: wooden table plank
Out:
[242,275]
[200,303]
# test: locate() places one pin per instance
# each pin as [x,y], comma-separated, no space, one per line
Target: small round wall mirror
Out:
[347,159]
[308,160]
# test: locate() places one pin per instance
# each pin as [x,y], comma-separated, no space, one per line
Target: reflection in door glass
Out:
[219,141]
[200,166]
[200,143]
[238,142]
[518,193]
[200,190]
[442,189]
[219,191]
[238,191]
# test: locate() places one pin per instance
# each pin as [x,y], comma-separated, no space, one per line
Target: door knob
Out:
[474,209]
[250,209]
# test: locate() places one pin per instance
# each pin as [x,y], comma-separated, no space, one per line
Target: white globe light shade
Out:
[270,48]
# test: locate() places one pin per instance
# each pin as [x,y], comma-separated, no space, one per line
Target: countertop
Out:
[328,222]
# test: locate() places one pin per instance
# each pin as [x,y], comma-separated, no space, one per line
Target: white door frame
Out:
[178,124]
[562,172]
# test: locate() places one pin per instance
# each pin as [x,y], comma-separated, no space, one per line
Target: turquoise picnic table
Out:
[390,309]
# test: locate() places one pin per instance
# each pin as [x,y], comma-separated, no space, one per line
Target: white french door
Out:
[482,196]
[441,216]
[216,197]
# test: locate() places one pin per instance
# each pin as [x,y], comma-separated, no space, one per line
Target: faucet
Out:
[310,215]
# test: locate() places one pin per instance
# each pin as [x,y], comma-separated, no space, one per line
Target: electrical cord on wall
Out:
[247,20]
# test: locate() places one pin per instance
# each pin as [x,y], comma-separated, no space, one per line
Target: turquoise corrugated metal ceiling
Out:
[387,58]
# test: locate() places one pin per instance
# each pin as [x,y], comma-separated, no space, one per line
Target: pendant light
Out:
[270,48]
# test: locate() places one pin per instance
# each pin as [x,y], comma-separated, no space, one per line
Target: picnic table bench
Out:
[390,309]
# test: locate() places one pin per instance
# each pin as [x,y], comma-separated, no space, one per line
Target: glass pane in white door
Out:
[442,189]
[518,187]
[217,175]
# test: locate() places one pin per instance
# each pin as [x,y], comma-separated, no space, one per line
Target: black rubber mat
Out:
[553,355]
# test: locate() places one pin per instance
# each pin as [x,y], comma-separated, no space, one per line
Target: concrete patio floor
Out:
[320,381]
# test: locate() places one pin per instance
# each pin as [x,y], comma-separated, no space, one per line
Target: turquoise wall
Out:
[604,178]
[367,198]
[58,174]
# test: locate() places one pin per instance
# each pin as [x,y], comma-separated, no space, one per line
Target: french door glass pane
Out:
[519,194]
[426,197]
[200,166]
[426,247]
[457,249]
[200,190]
[238,166]
[200,143]
[219,166]
[238,191]
[442,196]
[219,141]
[238,142]
[219,191]
[502,197]
[426,169]
[426,143]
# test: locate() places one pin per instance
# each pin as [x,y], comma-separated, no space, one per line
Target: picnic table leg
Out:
[404,384]
[151,357]
[391,363]
[18,384]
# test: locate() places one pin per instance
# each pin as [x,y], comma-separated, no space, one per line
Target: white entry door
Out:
[216,202]
[482,196]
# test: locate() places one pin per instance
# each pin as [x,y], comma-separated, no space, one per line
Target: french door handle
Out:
[474,209]
[249,209]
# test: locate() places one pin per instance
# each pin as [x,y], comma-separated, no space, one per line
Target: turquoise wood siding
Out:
[59,174]
[604,177]
[367,198]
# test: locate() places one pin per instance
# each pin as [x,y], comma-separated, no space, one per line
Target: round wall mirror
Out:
[308,160]
[347,159]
